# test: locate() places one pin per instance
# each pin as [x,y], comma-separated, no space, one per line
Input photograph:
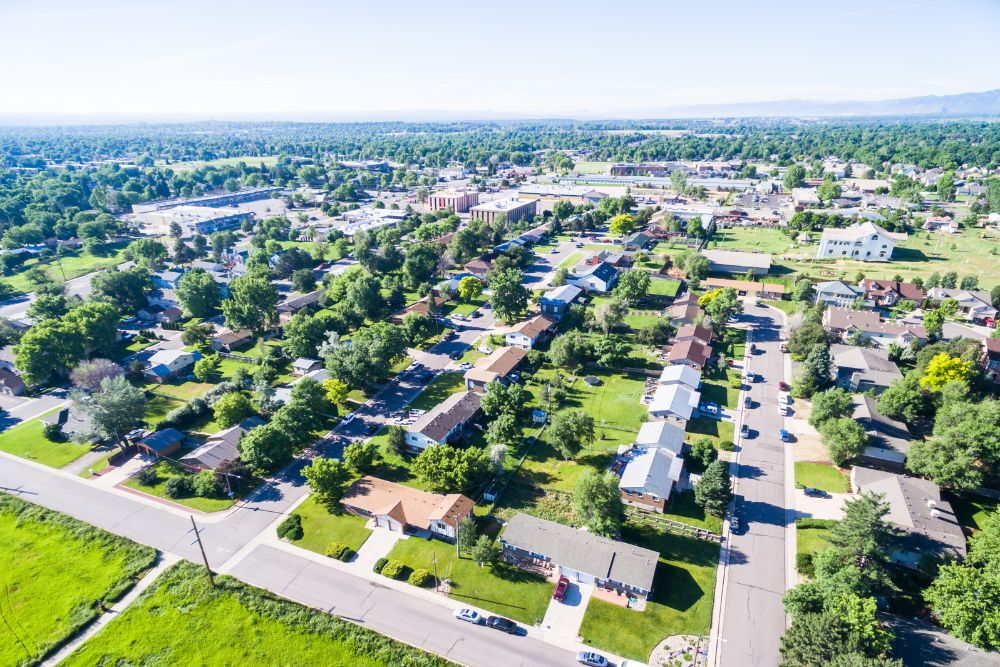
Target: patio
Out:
[614,597]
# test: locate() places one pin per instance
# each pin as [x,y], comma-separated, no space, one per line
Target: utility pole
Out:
[437,582]
[201,547]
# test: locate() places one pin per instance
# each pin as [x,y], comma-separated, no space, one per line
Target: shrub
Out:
[420,577]
[184,415]
[148,476]
[178,487]
[379,564]
[53,432]
[726,445]
[394,569]
[340,551]
[804,564]
[204,484]
[291,528]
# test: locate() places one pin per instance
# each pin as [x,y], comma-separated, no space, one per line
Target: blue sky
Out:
[215,58]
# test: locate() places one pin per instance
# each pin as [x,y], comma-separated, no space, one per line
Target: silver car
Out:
[592,659]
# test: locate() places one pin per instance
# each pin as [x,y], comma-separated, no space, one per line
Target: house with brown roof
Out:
[420,307]
[842,323]
[530,332]
[695,332]
[685,312]
[689,353]
[479,268]
[498,365]
[444,422]
[890,292]
[10,382]
[227,341]
[403,509]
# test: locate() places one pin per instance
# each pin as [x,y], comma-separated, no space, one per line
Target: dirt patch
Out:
[808,445]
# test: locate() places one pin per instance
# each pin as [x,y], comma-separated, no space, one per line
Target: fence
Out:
[676,527]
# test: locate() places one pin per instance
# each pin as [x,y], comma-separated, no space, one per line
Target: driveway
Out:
[378,545]
[831,507]
[562,619]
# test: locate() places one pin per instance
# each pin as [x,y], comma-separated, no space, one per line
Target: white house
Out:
[598,278]
[676,402]
[681,374]
[837,293]
[660,435]
[165,364]
[649,477]
[446,420]
[526,334]
[863,241]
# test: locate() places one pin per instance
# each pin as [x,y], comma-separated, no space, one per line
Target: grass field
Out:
[760,239]
[684,586]
[167,469]
[811,537]
[71,266]
[592,167]
[504,589]
[183,391]
[320,528]
[250,160]
[820,476]
[52,568]
[683,508]
[158,407]
[570,260]
[28,440]
[183,621]
[719,432]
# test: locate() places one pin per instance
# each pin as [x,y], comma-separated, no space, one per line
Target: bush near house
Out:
[394,569]
[420,577]
[291,528]
[380,565]
[340,551]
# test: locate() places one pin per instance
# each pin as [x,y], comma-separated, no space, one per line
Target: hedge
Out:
[291,528]
[340,551]
[394,569]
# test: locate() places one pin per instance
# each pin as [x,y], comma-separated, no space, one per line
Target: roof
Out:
[748,286]
[583,551]
[872,363]
[915,505]
[562,294]
[660,435]
[681,374]
[162,439]
[652,470]
[885,434]
[604,272]
[979,300]
[478,265]
[10,378]
[685,310]
[859,230]
[304,363]
[677,399]
[904,290]
[837,287]
[754,260]
[407,505]
[690,350]
[503,204]
[868,321]
[230,337]
[438,422]
[297,303]
[533,327]
[497,364]
[223,446]
[695,331]
[167,357]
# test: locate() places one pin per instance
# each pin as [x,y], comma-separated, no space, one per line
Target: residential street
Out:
[754,577]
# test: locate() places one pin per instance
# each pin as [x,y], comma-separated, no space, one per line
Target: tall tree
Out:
[114,410]
[713,491]
[252,303]
[597,503]
[198,293]
[510,296]
[328,480]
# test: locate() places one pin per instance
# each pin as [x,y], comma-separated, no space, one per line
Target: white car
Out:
[416,412]
[485,349]
[469,616]
[464,366]
[591,659]
[348,418]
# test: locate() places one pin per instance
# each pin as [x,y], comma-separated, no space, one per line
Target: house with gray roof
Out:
[600,278]
[861,369]
[737,261]
[557,301]
[837,293]
[445,421]
[581,556]
[888,439]
[927,522]
[648,478]
[221,447]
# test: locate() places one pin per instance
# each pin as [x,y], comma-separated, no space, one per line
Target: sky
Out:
[299,59]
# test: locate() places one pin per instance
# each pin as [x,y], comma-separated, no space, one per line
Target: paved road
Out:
[18,306]
[753,618]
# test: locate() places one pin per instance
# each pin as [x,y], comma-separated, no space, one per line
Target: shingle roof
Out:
[162,439]
[446,415]
[681,374]
[887,438]
[407,505]
[660,434]
[533,327]
[652,470]
[582,551]
[690,350]
[561,294]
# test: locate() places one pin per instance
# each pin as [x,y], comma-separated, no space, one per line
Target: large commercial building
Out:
[192,220]
[514,209]
[458,201]
[209,201]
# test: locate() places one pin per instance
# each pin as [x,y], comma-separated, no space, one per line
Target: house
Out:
[580,556]
[167,364]
[890,292]
[221,447]
[843,323]
[161,443]
[991,358]
[690,353]
[445,421]
[694,332]
[11,383]
[168,279]
[863,241]
[618,260]
[675,402]
[296,303]
[227,341]
[805,197]
[648,478]
[72,422]
[498,365]
[600,278]
[421,307]
[837,293]
[157,312]
[747,287]
[479,268]
[660,435]
[530,332]
[941,223]
[681,374]
[304,365]
[862,369]
[888,439]
[973,305]
[637,241]
[403,509]
[686,311]
[555,302]
[735,261]
[915,505]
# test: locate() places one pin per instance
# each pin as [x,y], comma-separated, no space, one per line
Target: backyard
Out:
[320,527]
[971,510]
[28,440]
[504,589]
[719,432]
[183,621]
[65,563]
[681,603]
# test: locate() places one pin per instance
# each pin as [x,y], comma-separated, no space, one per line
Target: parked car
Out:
[476,314]
[749,378]
[814,493]
[465,365]
[560,593]
[747,402]
[784,348]
[591,659]
[710,408]
[734,525]
[348,418]
[753,348]
[784,435]
[469,616]
[502,624]
[783,386]
[414,366]
[416,412]
[745,431]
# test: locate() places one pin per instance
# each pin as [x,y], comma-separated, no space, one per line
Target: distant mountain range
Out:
[963,104]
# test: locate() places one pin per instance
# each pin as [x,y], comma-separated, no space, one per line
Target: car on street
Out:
[784,348]
[348,418]
[469,616]
[734,525]
[416,412]
[559,594]
[591,659]
[554,251]
[783,386]
[476,314]
[486,305]
[814,493]
[753,348]
[749,378]
[747,402]
[784,435]
[502,624]
[745,431]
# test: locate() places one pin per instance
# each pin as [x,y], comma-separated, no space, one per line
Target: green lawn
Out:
[320,528]
[760,239]
[570,260]
[462,308]
[592,167]
[73,265]
[52,568]
[184,621]
[787,307]
[249,160]
[719,432]
[664,287]
[28,440]
[811,537]
[683,508]
[167,469]
[444,385]
[98,465]
[821,476]
[158,407]
[503,589]
[681,603]
[183,391]
[971,510]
